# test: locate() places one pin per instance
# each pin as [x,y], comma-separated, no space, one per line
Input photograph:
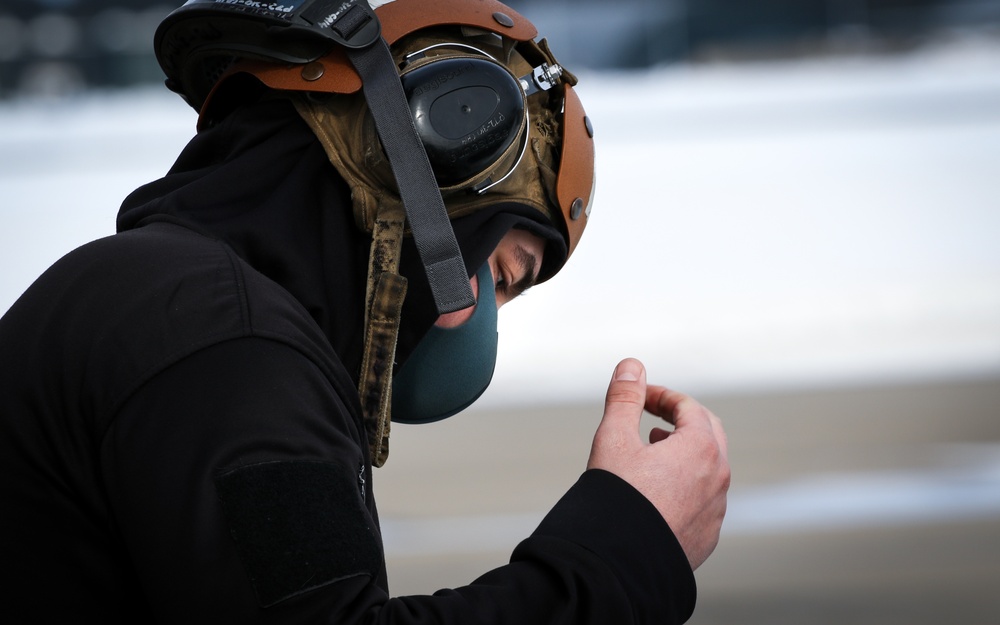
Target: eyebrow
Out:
[528,263]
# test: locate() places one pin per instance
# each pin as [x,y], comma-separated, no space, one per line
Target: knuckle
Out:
[725,477]
[703,413]
[716,463]
[624,394]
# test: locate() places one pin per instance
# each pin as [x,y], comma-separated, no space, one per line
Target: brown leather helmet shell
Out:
[557,177]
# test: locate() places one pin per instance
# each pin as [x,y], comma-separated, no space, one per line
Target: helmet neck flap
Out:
[411,158]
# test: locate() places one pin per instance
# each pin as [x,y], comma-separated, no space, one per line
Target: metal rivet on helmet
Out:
[313,71]
[576,211]
[589,125]
[503,19]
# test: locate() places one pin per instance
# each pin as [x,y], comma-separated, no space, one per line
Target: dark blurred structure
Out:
[642,33]
[53,47]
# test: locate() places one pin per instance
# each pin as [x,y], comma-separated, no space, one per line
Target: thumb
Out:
[626,398]
[619,428]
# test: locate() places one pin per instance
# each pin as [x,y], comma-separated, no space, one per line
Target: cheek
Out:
[457,318]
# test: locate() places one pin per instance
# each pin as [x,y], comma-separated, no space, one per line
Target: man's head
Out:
[467,67]
[498,129]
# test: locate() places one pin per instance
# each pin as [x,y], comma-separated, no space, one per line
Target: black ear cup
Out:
[467,112]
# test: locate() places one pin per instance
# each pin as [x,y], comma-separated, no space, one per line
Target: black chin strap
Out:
[432,234]
[425,210]
[355,25]
[422,204]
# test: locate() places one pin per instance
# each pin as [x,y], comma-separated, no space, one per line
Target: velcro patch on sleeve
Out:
[298,525]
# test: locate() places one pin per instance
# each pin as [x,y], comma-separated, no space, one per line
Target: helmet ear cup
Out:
[467,111]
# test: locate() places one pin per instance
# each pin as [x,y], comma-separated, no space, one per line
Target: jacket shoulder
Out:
[132,304]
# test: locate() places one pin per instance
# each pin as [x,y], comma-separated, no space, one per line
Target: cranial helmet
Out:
[430,110]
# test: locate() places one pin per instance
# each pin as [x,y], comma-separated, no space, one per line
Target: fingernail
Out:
[628,371]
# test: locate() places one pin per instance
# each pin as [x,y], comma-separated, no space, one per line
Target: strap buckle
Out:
[351,23]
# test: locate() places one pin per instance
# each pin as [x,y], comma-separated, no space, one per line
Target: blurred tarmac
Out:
[456,497]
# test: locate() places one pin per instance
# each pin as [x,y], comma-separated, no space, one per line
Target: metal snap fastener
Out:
[503,19]
[313,71]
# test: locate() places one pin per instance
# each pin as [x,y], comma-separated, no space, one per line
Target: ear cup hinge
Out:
[541,78]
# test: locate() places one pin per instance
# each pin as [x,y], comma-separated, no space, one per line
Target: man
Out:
[192,408]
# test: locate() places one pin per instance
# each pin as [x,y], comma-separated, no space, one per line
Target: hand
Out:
[684,473]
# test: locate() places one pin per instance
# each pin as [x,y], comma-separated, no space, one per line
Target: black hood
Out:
[261,182]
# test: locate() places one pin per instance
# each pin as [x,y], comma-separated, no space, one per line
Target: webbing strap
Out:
[425,210]
[384,295]
[384,306]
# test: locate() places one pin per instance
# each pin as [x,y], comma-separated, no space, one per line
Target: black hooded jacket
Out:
[181,439]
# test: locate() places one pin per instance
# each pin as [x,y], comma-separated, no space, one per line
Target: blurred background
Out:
[797,221]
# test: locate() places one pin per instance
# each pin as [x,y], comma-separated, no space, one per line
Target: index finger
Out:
[667,403]
[683,411]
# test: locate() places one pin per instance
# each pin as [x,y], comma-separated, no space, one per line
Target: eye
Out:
[502,283]
[501,280]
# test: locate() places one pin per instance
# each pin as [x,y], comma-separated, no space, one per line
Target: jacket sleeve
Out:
[602,555]
[236,481]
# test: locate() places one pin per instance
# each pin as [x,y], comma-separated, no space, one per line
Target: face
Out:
[514,263]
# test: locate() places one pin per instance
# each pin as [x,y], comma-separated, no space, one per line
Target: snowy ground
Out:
[756,226]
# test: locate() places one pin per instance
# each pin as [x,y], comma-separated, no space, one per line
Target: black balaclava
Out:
[261,182]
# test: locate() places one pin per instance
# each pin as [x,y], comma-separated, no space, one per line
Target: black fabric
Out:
[260,182]
[298,525]
[135,370]
[216,333]
[578,520]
